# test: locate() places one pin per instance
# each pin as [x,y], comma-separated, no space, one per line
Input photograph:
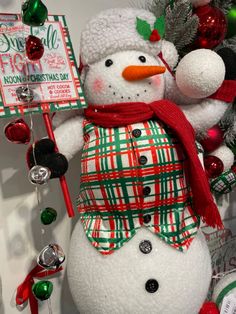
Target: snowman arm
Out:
[69,137]
[226,155]
[204,114]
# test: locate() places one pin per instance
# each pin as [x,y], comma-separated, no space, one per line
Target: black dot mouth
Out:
[130,97]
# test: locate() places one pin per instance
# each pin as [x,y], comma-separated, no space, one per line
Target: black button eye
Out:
[142,59]
[108,63]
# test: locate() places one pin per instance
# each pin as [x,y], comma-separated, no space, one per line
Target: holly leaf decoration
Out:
[144,28]
[160,26]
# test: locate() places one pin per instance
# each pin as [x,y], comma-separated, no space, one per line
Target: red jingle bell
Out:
[212,27]
[213,166]
[209,308]
[213,140]
[34,48]
[18,132]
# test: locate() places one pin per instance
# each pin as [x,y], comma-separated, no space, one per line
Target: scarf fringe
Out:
[211,216]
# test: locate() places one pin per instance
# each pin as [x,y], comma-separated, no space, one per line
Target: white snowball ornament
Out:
[199,3]
[225,287]
[200,73]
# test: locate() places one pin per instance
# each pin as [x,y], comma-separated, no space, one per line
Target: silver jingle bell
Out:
[25,94]
[39,175]
[52,256]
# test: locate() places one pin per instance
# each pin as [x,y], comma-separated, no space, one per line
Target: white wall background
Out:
[20,233]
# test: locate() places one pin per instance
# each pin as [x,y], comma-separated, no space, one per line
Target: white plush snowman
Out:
[138,248]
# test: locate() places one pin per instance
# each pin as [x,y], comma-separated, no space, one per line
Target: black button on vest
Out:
[136,133]
[152,286]
[145,246]
[146,190]
[143,160]
[147,218]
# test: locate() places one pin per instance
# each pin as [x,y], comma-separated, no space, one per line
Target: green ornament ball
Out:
[48,216]
[231,18]
[42,290]
[34,13]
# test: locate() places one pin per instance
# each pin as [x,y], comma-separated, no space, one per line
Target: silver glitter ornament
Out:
[25,94]
[52,256]
[39,175]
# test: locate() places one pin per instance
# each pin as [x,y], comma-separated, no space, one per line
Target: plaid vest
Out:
[134,177]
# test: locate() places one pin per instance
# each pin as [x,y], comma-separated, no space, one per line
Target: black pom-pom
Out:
[57,163]
[45,146]
[229,58]
[44,154]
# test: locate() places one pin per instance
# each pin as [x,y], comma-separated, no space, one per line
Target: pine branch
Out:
[181,26]
[224,5]
[188,33]
[157,7]
[228,124]
[229,43]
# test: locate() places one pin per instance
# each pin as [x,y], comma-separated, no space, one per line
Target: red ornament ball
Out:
[233,168]
[212,27]
[213,166]
[18,132]
[209,308]
[34,48]
[213,140]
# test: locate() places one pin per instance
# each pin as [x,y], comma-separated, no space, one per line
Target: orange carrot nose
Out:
[137,72]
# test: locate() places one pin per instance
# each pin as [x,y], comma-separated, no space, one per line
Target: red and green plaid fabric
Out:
[224,183]
[111,201]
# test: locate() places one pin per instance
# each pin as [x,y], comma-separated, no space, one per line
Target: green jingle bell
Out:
[34,13]
[48,215]
[42,290]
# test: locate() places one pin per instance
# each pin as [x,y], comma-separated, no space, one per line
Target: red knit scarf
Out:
[122,114]
[227,91]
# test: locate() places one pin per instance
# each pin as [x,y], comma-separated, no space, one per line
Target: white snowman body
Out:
[116,283]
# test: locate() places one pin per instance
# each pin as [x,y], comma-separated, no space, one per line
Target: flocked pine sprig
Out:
[224,5]
[158,7]
[229,43]
[181,25]
[228,124]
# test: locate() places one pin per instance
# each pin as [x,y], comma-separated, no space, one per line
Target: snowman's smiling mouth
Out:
[130,97]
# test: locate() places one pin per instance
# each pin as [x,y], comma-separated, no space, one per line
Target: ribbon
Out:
[24,291]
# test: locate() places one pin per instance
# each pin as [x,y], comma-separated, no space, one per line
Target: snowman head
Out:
[119,50]
[126,76]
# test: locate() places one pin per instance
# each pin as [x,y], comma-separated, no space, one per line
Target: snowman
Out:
[137,247]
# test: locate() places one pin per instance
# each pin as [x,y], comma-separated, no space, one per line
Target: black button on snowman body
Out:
[145,246]
[152,285]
